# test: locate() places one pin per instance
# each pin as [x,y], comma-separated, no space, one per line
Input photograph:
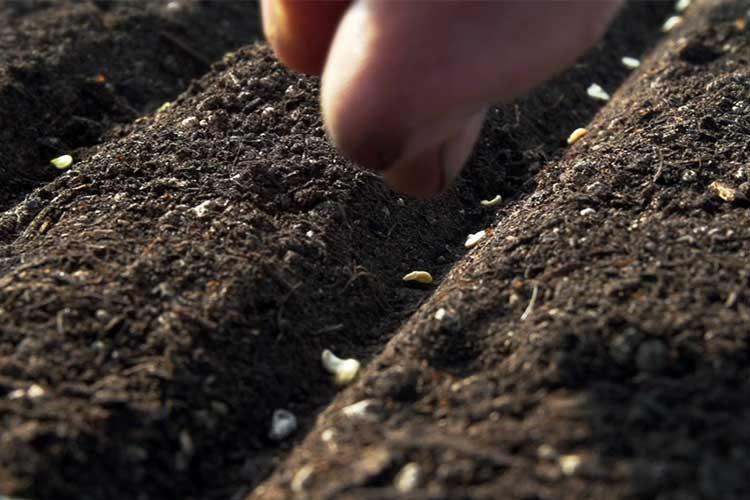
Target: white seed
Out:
[682,5]
[630,62]
[577,135]
[587,211]
[190,121]
[408,477]
[283,424]
[569,464]
[440,314]
[671,23]
[419,277]
[163,107]
[493,202]
[35,391]
[62,162]
[367,409]
[595,91]
[475,238]
[201,210]
[301,479]
[344,371]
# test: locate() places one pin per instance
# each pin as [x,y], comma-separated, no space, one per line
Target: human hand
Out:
[406,84]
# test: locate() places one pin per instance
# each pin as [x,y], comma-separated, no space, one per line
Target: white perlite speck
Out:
[344,371]
[595,91]
[630,62]
[475,238]
[569,464]
[440,314]
[587,211]
[671,23]
[283,424]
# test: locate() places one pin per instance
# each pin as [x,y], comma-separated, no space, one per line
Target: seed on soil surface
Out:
[595,91]
[475,238]
[419,277]
[725,192]
[652,356]
[493,202]
[440,314]
[671,23]
[367,409]
[62,162]
[682,5]
[283,424]
[408,478]
[577,135]
[301,479]
[630,62]
[34,391]
[569,464]
[164,107]
[190,121]
[344,371]
[587,211]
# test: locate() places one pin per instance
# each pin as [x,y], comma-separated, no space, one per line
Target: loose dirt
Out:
[160,300]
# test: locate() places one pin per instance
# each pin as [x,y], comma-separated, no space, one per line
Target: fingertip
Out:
[300,32]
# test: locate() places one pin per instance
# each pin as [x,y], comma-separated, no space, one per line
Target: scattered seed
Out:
[367,409]
[569,464]
[493,202]
[475,238]
[419,277]
[440,314]
[301,479]
[408,478]
[725,192]
[34,391]
[682,5]
[283,424]
[595,91]
[671,23]
[630,62]
[577,135]
[163,107]
[190,121]
[344,371]
[62,162]
[530,308]
[587,211]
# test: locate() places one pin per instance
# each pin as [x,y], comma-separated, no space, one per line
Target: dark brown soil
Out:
[584,354]
[177,286]
[70,71]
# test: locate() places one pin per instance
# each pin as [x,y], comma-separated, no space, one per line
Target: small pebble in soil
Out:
[418,276]
[577,135]
[682,5]
[344,371]
[201,210]
[630,62]
[569,464]
[367,409]
[651,356]
[283,424]
[408,478]
[493,202]
[725,191]
[689,175]
[475,238]
[595,91]
[671,23]
[62,162]
[587,211]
